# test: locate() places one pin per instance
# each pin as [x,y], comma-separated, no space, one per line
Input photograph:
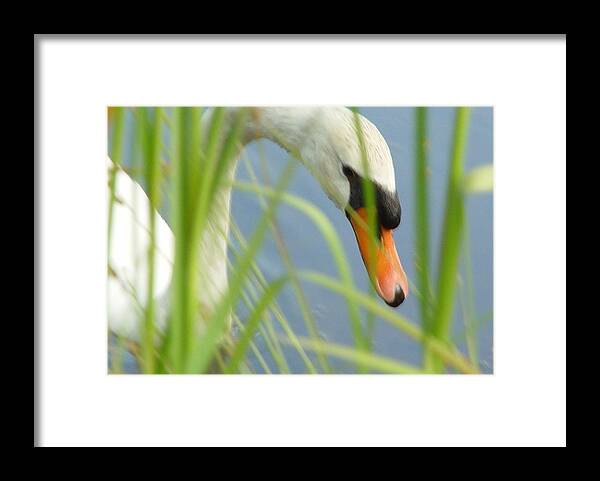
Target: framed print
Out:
[299,240]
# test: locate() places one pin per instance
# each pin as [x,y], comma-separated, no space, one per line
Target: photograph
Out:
[289,239]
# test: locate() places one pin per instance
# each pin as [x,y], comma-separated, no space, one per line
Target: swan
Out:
[327,143]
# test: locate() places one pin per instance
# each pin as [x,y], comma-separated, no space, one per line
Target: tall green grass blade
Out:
[179,203]
[252,323]
[422,216]
[368,190]
[211,164]
[151,142]
[116,155]
[267,329]
[116,123]
[190,148]
[422,258]
[255,351]
[452,234]
[250,295]
[369,360]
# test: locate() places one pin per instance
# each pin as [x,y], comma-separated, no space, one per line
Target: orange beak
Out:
[385,271]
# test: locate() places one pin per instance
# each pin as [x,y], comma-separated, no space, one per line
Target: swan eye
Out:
[349,173]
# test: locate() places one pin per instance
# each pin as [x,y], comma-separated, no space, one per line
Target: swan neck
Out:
[285,126]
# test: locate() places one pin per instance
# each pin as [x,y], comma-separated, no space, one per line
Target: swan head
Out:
[333,152]
[326,139]
[371,161]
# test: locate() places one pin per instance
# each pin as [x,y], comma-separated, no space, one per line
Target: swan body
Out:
[128,266]
[326,142]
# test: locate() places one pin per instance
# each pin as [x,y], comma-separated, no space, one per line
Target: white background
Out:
[523,403]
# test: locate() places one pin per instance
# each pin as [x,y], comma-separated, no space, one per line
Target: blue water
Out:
[309,251]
